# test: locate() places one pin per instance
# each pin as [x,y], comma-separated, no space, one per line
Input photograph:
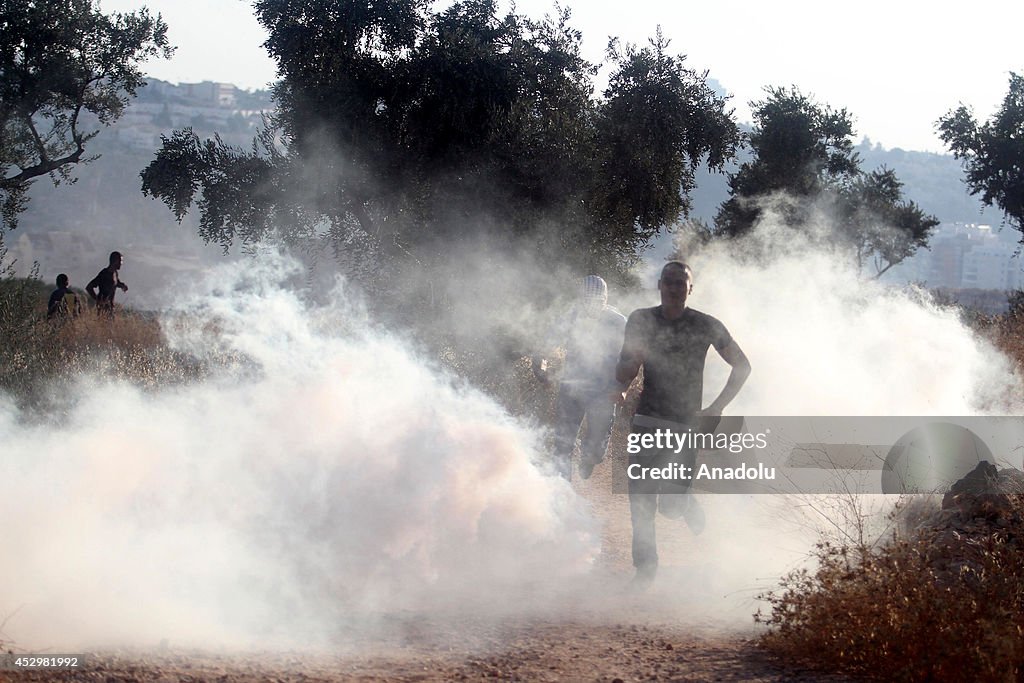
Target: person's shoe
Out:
[673,505]
[694,516]
[643,578]
[587,467]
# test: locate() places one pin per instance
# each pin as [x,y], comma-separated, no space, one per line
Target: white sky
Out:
[896,65]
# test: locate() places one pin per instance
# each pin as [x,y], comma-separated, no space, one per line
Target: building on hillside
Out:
[991,266]
[217,94]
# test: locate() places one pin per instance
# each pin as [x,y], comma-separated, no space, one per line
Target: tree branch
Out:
[40,145]
[882,272]
[42,168]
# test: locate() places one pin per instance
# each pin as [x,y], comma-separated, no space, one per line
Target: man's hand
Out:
[709,419]
[123,286]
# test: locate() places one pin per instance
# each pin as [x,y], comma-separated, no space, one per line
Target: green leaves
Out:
[402,131]
[993,152]
[58,59]
[877,222]
[804,151]
[659,120]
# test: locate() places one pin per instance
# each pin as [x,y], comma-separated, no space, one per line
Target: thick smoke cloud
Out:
[330,475]
[338,473]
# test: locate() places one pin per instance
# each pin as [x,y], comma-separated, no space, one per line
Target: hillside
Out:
[72,228]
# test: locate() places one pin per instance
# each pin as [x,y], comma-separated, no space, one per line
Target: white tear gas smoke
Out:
[340,474]
[825,340]
[334,474]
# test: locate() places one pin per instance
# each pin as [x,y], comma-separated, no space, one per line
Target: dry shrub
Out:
[1005,331]
[944,603]
[40,359]
[1008,334]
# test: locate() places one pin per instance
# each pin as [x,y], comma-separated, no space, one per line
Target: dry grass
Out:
[945,602]
[1007,332]
[942,600]
[40,358]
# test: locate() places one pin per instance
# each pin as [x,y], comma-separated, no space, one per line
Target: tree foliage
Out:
[992,153]
[800,148]
[657,122]
[804,152]
[879,225]
[65,69]
[400,130]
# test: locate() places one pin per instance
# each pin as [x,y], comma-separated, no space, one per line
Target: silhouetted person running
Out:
[591,334]
[671,342]
[108,282]
[63,303]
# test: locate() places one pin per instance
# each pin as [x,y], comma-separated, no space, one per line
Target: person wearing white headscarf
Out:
[591,335]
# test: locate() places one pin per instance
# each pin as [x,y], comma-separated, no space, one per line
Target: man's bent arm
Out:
[630,358]
[734,356]
[91,287]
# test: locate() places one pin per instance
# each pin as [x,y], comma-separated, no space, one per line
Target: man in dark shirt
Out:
[63,303]
[671,342]
[108,282]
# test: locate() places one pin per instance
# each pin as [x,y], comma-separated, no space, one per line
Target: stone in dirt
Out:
[986,491]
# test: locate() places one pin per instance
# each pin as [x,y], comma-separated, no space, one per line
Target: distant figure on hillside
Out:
[64,303]
[108,282]
[591,334]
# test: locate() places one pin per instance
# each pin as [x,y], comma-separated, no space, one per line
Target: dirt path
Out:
[524,652]
[595,630]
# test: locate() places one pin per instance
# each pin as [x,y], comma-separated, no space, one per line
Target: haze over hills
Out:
[970,250]
[72,228]
[934,181]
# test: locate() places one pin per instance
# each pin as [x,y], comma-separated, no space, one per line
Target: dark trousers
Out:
[573,406]
[645,496]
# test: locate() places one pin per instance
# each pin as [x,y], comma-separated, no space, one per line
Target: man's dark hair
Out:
[677,264]
[114,255]
[62,280]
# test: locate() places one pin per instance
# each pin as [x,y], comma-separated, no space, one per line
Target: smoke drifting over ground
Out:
[332,475]
[825,340]
[339,475]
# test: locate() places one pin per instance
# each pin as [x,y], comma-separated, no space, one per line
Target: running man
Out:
[108,282]
[671,343]
[592,335]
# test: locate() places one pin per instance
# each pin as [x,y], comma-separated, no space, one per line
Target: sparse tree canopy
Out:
[992,153]
[400,130]
[879,225]
[657,122]
[804,152]
[801,148]
[61,60]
